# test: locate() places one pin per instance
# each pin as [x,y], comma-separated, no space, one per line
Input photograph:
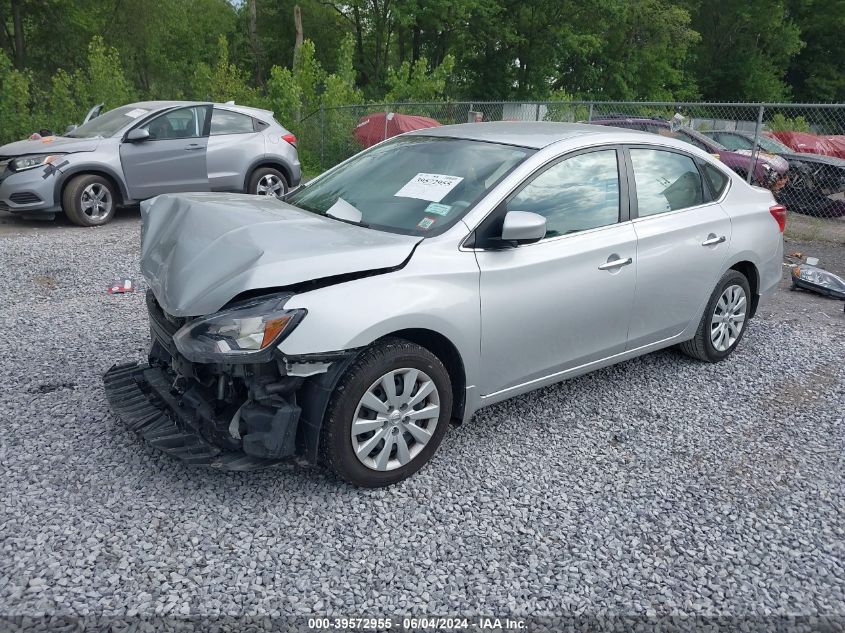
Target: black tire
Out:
[336,446]
[263,173]
[701,346]
[77,193]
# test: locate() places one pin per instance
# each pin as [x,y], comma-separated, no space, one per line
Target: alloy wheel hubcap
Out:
[270,185]
[395,419]
[728,318]
[96,201]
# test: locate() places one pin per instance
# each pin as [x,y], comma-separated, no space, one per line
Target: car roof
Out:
[531,134]
[161,105]
[608,120]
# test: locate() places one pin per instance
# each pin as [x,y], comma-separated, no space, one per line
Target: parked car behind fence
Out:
[328,135]
[815,182]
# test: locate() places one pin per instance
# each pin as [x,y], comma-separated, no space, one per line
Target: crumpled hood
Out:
[200,250]
[50,144]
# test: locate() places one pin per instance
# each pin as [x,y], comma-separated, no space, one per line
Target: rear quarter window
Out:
[716,178]
[228,122]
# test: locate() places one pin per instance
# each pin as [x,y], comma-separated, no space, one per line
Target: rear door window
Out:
[665,181]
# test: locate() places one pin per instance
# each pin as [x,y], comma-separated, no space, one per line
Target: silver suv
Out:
[141,150]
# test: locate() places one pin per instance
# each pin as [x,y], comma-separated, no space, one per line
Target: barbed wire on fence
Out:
[795,150]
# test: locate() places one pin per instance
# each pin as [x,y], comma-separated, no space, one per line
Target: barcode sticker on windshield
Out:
[437,208]
[431,187]
[136,113]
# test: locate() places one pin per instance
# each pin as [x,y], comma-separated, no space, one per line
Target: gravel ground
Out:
[659,486]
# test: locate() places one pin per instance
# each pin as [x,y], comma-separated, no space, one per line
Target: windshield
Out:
[415,185]
[735,142]
[107,124]
[772,146]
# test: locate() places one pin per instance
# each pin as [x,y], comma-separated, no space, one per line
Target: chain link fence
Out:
[796,151]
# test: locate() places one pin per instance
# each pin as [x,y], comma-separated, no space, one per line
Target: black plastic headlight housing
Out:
[246,332]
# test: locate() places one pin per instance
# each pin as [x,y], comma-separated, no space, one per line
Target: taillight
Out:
[289,138]
[778,212]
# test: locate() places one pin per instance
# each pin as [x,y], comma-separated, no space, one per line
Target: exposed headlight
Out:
[28,162]
[244,333]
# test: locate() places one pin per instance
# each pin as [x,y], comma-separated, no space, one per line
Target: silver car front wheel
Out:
[89,200]
[395,419]
[96,201]
[387,415]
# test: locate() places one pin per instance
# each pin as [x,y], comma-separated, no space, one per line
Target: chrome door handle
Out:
[193,148]
[712,240]
[615,263]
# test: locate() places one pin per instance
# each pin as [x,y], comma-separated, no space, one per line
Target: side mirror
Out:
[523,227]
[70,128]
[137,135]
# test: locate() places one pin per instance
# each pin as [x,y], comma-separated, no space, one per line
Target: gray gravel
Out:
[659,486]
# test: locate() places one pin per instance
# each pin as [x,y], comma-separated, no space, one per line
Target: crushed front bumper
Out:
[227,416]
[137,395]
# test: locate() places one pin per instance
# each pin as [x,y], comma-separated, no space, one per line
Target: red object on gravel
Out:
[121,286]
[371,128]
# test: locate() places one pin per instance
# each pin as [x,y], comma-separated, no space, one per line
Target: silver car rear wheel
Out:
[395,419]
[728,318]
[270,185]
[722,322]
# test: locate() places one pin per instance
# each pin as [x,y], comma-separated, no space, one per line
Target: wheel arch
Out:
[268,162]
[316,391]
[448,353]
[752,274]
[94,170]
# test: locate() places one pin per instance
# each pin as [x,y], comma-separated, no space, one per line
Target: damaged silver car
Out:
[429,276]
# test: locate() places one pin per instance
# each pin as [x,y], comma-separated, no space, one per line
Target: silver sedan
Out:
[429,276]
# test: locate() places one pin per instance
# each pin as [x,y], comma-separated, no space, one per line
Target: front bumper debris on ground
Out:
[240,416]
[131,392]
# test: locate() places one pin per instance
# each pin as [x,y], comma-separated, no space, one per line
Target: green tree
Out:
[15,118]
[103,80]
[414,82]
[781,123]
[745,49]
[64,108]
[224,81]
[817,73]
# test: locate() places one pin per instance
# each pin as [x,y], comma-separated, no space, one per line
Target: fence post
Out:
[753,166]
[590,115]
[537,116]
[386,113]
[322,135]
